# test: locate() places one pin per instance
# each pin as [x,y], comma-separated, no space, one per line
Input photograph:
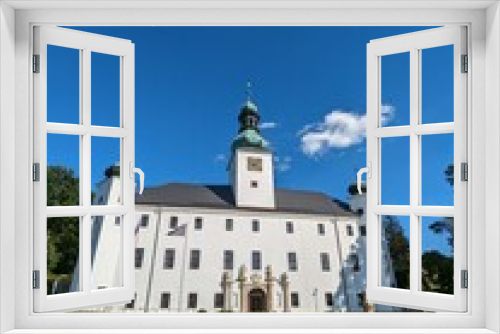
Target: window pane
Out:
[63,253]
[139,258]
[437,84]
[437,169]
[106,252]
[169,260]
[395,82]
[395,254]
[106,170]
[105,90]
[437,254]
[63,166]
[63,85]
[395,171]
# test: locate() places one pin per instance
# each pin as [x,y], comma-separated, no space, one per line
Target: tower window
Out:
[228,260]
[254,184]
[194,260]
[192,300]
[174,221]
[198,223]
[229,224]
[289,227]
[292,261]
[254,164]
[144,221]
[329,299]
[325,261]
[360,211]
[349,230]
[321,229]
[256,260]
[218,300]
[165,300]
[139,257]
[169,260]
[362,230]
[255,226]
[294,300]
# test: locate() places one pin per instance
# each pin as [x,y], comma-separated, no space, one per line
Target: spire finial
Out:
[249,91]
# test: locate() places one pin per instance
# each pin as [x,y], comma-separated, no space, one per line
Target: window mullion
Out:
[415,170]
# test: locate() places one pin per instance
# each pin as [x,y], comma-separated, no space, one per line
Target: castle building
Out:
[243,247]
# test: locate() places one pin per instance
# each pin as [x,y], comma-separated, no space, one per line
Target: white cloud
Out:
[269,125]
[282,164]
[339,129]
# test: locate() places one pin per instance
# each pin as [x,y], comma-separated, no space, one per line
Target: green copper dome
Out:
[249,138]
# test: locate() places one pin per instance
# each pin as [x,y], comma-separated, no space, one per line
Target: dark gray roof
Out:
[221,197]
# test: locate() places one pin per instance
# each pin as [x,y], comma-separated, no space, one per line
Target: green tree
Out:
[399,250]
[62,232]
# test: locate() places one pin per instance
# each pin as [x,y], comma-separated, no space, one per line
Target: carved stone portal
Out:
[256,292]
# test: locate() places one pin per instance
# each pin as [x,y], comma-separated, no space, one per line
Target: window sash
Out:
[412,43]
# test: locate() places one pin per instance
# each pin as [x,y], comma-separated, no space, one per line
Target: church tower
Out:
[251,165]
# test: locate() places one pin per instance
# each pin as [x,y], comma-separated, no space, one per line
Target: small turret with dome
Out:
[249,133]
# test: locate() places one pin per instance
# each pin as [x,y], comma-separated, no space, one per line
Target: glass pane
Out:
[106,251]
[437,169]
[63,250]
[395,254]
[106,170]
[437,84]
[437,254]
[395,80]
[105,90]
[63,166]
[63,85]
[395,171]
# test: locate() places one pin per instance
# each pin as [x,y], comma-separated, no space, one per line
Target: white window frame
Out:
[85,43]
[413,44]
[16,21]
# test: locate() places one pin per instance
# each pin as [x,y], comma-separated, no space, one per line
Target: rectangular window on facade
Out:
[117,220]
[169,260]
[294,300]
[289,227]
[229,224]
[256,260]
[144,220]
[218,300]
[255,226]
[292,261]
[193,300]
[349,230]
[362,230]
[198,223]
[165,300]
[139,257]
[321,229]
[329,299]
[132,302]
[228,260]
[174,222]
[194,260]
[325,261]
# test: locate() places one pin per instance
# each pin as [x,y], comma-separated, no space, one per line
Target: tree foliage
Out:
[399,251]
[62,232]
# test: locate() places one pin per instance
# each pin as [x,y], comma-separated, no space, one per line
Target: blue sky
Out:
[308,82]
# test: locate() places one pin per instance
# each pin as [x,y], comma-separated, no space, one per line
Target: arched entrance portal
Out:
[257,300]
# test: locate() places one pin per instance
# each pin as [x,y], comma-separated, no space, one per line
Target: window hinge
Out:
[465,63]
[36,279]
[464,171]
[465,279]
[36,63]
[36,172]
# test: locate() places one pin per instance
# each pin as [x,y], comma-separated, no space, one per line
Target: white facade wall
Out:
[273,241]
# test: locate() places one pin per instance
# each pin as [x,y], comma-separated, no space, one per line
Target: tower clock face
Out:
[254,164]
